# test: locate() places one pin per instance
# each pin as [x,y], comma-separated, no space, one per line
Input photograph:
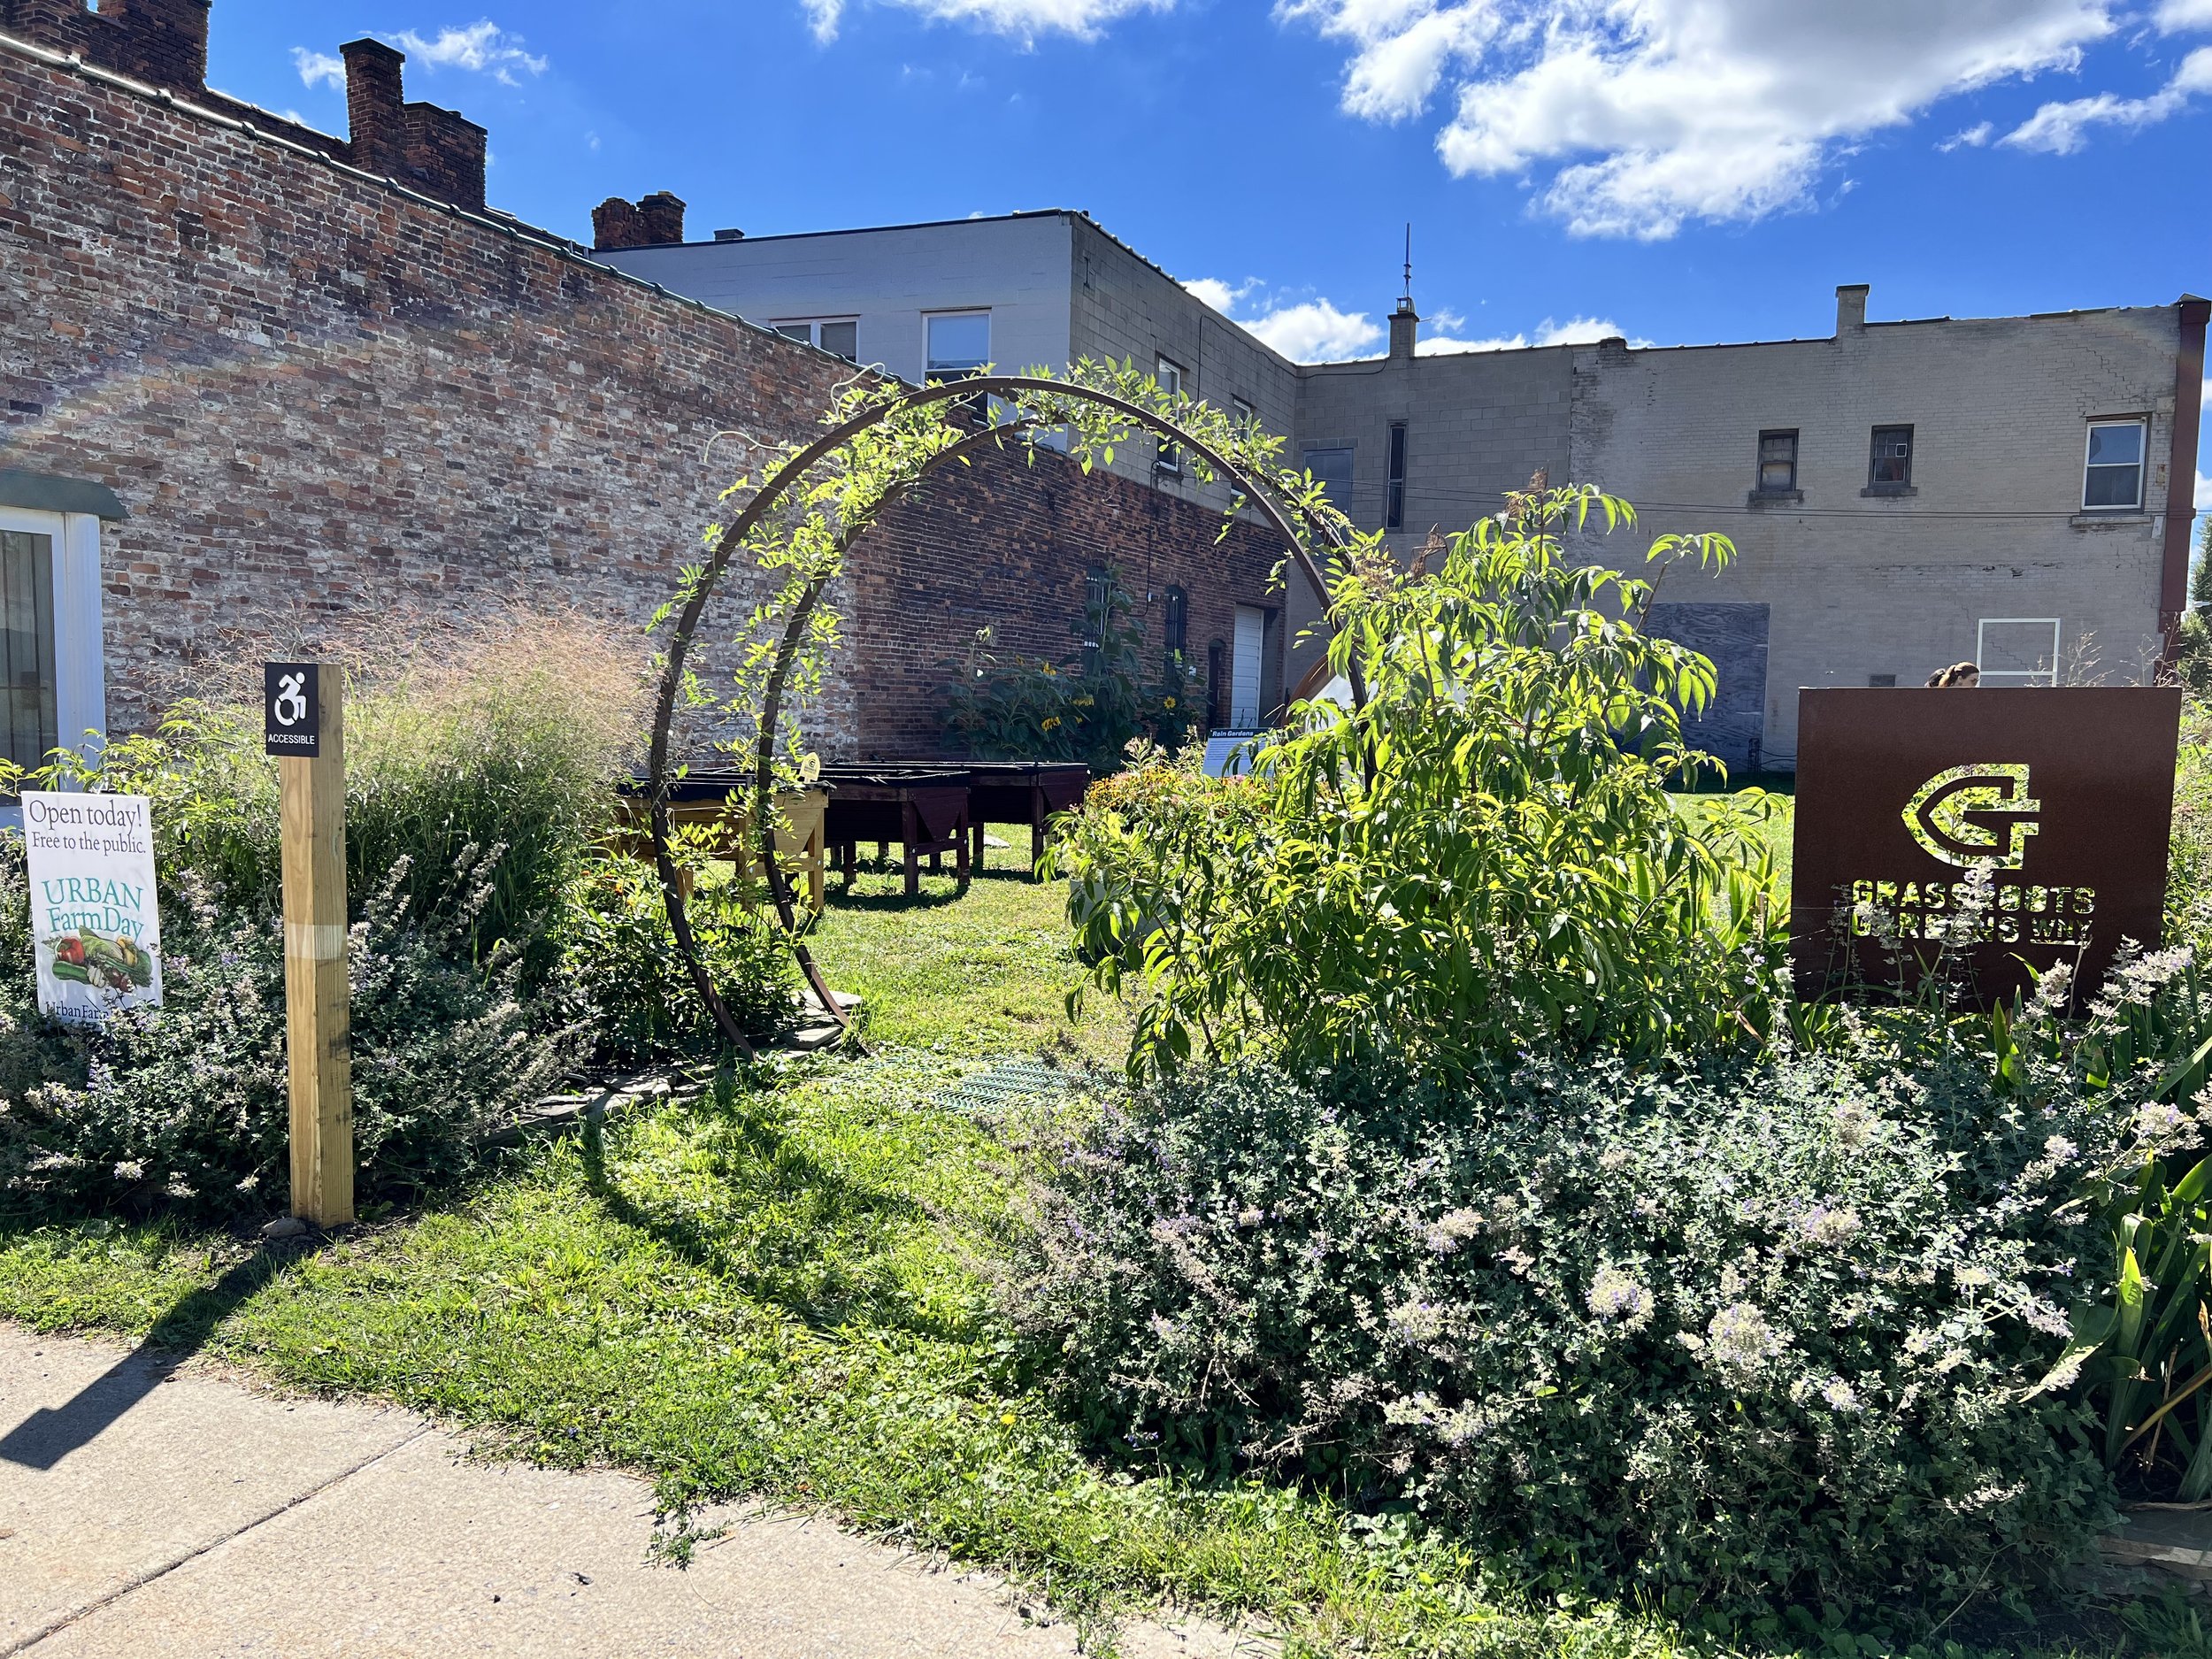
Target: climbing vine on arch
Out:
[796,512]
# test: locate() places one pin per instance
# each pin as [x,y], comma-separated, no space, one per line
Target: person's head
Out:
[1966,674]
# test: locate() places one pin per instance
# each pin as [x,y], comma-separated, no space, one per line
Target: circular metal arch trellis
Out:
[1259,491]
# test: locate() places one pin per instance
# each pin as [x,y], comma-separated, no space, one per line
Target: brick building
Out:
[256,373]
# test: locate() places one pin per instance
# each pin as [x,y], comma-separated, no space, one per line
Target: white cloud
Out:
[1632,116]
[483,47]
[1576,331]
[1314,331]
[2061,129]
[1023,19]
[1304,331]
[1405,46]
[317,68]
[1219,294]
[2176,15]
[1973,137]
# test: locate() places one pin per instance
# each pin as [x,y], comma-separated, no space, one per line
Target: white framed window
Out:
[839,336]
[2112,473]
[1777,459]
[1245,414]
[2017,650]
[1168,374]
[958,344]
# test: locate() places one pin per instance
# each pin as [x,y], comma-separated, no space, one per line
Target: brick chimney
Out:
[1405,328]
[1850,308]
[376,110]
[649,222]
[164,42]
[436,151]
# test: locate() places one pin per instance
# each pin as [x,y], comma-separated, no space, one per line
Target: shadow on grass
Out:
[764,1166]
[925,900]
[49,1433]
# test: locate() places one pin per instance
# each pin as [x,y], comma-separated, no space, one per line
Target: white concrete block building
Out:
[2016,492]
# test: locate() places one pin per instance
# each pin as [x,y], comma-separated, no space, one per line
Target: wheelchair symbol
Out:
[289,707]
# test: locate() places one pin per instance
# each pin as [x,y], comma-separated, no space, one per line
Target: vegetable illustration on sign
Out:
[96,923]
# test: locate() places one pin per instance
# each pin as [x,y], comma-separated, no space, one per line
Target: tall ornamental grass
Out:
[506,738]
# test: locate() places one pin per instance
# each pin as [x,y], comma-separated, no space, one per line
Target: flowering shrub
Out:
[184,1106]
[1745,1334]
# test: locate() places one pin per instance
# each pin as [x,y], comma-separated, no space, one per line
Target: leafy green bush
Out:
[2189,867]
[184,1107]
[619,961]
[1481,859]
[1745,1334]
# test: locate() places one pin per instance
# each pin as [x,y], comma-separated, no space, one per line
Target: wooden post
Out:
[317,997]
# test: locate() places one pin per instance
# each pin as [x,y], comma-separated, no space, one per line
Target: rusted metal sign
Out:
[2002,832]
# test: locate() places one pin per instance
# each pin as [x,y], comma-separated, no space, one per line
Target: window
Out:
[1778,460]
[2113,475]
[838,336]
[1394,496]
[1245,414]
[2017,650]
[1098,602]
[1890,464]
[959,344]
[1170,376]
[1332,468]
[1177,634]
[27,680]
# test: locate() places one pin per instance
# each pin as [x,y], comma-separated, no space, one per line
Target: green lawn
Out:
[781,1291]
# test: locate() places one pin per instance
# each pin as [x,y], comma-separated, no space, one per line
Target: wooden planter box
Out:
[1023,792]
[925,808]
[723,801]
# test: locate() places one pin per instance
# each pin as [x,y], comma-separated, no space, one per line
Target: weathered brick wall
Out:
[971,553]
[320,397]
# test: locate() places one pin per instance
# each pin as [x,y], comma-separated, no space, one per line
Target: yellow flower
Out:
[1051,721]
[1168,703]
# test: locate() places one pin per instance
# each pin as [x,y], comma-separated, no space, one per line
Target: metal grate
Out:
[1014,1080]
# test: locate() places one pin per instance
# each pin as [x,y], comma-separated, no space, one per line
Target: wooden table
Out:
[925,808]
[722,800]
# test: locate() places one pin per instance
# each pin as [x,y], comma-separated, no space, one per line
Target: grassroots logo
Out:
[1947,815]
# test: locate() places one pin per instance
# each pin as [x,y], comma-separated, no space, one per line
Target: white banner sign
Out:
[93,921]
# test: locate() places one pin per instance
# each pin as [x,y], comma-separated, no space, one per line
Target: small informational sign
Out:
[1229,754]
[2001,832]
[94,925]
[291,709]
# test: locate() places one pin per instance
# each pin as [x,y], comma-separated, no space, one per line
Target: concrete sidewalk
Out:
[147,1508]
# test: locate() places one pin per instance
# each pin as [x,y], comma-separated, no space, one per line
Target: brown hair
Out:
[1957,674]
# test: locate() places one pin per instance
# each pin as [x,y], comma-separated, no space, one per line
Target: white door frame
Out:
[80,699]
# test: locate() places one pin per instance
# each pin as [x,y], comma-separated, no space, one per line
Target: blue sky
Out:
[1674,170]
